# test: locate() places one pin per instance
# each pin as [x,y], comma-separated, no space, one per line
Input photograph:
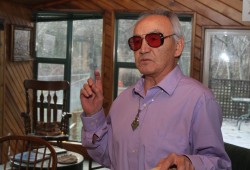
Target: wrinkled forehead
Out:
[153,23]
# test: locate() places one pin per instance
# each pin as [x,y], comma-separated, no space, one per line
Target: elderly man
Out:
[165,120]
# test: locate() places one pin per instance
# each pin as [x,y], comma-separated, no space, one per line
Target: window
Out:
[126,73]
[69,47]
[226,71]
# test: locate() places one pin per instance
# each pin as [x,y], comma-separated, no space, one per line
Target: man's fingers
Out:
[173,167]
[98,79]
[90,82]
[93,87]
[86,90]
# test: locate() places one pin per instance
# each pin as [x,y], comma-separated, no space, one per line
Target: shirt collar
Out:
[168,83]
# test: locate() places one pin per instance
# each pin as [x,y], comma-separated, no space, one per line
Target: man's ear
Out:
[179,47]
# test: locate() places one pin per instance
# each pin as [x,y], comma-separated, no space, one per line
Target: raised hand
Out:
[91,95]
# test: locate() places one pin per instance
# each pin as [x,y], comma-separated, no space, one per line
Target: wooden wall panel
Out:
[234,4]
[172,5]
[200,21]
[88,5]
[2,82]
[223,9]
[15,72]
[207,13]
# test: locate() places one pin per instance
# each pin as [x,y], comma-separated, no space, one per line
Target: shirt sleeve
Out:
[96,125]
[208,146]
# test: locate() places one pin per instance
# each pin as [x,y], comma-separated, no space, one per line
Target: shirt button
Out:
[92,123]
[134,151]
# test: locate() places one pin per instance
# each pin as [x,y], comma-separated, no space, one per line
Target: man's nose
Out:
[144,46]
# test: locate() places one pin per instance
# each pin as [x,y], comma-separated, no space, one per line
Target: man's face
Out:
[156,62]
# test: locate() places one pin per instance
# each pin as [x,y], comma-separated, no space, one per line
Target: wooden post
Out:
[2,65]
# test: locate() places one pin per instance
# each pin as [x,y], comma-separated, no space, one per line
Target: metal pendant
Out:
[135,124]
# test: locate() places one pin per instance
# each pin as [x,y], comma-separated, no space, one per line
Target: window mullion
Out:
[67,68]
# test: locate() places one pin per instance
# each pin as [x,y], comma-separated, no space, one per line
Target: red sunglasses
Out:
[153,39]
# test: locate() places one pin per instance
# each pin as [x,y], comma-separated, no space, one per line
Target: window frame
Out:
[66,62]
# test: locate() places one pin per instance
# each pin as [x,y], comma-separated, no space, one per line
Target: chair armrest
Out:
[27,122]
[69,115]
[24,114]
[65,122]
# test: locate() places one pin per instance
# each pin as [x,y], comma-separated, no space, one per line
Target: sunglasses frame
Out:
[162,38]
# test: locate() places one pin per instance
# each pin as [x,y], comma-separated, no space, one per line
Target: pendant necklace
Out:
[135,122]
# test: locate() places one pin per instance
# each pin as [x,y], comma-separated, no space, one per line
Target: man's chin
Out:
[145,73]
[146,70]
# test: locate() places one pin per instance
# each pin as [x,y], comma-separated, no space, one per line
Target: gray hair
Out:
[173,18]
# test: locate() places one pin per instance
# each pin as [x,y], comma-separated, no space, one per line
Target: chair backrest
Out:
[26,152]
[46,107]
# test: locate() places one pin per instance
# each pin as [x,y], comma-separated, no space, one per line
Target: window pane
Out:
[126,78]
[125,31]
[50,72]
[185,58]
[86,57]
[51,39]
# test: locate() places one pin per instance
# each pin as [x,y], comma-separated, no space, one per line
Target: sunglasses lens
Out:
[135,43]
[154,40]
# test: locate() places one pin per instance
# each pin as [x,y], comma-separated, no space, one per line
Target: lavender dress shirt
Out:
[177,115]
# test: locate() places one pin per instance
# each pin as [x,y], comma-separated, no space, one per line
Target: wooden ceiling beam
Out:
[88,5]
[129,5]
[103,4]
[50,4]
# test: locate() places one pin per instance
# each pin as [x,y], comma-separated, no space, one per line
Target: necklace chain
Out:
[136,122]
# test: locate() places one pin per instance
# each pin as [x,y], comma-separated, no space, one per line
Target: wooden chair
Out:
[46,112]
[26,152]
